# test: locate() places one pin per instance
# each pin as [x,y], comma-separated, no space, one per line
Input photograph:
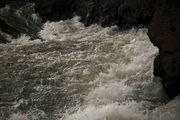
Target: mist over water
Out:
[82,73]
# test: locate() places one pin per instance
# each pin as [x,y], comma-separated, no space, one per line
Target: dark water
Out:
[82,73]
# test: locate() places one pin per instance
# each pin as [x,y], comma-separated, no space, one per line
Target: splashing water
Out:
[81,73]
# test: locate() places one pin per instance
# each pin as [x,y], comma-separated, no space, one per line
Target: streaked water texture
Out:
[82,73]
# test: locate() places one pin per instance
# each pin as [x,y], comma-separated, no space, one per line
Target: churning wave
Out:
[84,73]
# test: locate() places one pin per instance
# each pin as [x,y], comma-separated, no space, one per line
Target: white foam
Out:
[23,39]
[128,77]
[108,112]
[18,116]
[170,111]
[108,73]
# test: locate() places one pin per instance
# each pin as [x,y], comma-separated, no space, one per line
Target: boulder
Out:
[164,32]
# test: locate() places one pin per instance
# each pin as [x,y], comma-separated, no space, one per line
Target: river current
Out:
[82,73]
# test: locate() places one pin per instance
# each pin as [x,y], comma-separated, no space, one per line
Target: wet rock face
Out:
[18,17]
[3,39]
[164,33]
[124,13]
[55,9]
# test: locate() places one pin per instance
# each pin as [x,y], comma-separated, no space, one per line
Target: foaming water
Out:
[82,73]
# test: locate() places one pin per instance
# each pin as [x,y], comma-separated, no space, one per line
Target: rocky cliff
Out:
[164,33]
[124,13]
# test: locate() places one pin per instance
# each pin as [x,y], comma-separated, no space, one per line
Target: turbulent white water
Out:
[87,73]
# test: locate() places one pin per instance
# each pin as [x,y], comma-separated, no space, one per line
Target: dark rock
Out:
[8,29]
[3,39]
[17,19]
[14,3]
[55,9]
[164,33]
[124,13]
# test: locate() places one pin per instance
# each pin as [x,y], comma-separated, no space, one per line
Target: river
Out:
[82,73]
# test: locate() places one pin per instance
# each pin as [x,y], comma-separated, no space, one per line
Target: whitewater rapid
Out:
[84,73]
